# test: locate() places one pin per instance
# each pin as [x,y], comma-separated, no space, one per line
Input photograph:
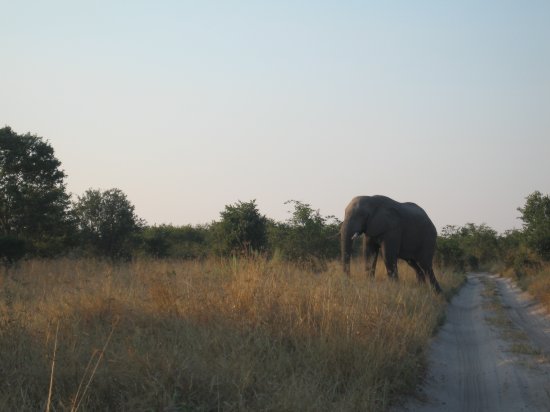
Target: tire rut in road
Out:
[526,314]
[472,365]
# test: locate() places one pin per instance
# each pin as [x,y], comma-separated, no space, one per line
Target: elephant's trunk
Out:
[346,242]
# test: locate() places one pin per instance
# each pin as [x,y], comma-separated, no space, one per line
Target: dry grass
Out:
[535,280]
[538,285]
[211,335]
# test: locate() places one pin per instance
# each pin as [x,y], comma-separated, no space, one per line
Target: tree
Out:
[34,204]
[536,223]
[307,236]
[107,222]
[241,230]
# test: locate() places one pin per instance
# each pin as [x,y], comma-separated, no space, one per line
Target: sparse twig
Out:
[77,401]
[53,368]
[86,371]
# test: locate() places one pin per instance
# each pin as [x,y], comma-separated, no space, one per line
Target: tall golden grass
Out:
[248,334]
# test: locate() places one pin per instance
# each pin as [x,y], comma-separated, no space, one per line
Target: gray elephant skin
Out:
[399,230]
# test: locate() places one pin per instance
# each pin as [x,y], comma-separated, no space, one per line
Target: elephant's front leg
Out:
[390,251]
[370,251]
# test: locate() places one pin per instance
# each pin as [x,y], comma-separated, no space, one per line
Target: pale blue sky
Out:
[191,105]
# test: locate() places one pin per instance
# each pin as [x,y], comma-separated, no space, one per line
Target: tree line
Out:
[38,217]
[474,247]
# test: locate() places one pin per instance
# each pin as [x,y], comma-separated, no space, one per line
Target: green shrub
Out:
[306,237]
[12,248]
[241,230]
[536,223]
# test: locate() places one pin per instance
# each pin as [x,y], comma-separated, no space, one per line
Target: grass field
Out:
[247,334]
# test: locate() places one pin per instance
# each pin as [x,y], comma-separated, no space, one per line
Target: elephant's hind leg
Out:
[431,275]
[433,280]
[419,272]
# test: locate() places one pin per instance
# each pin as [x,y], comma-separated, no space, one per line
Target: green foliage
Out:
[241,230]
[33,202]
[536,223]
[515,253]
[509,241]
[11,248]
[306,237]
[523,260]
[184,242]
[524,251]
[469,247]
[449,251]
[107,222]
[480,244]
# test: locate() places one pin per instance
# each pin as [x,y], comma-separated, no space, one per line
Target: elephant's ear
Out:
[382,221]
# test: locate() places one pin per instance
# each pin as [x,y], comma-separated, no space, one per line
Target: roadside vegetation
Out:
[101,311]
[213,334]
[529,262]
[522,255]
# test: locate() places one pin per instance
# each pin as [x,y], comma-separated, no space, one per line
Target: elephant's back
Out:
[373,201]
[359,203]
[416,213]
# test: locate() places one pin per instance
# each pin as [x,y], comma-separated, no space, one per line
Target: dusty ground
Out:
[492,354]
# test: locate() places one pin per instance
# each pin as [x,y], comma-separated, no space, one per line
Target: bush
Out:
[107,223]
[185,242]
[449,253]
[470,247]
[241,230]
[11,249]
[536,223]
[306,237]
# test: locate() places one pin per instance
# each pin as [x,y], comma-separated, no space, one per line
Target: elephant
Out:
[400,230]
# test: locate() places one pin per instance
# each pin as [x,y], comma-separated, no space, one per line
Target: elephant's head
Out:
[367,215]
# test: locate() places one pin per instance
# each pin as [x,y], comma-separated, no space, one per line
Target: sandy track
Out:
[491,354]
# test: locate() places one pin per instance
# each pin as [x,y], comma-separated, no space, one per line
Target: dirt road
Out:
[492,354]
